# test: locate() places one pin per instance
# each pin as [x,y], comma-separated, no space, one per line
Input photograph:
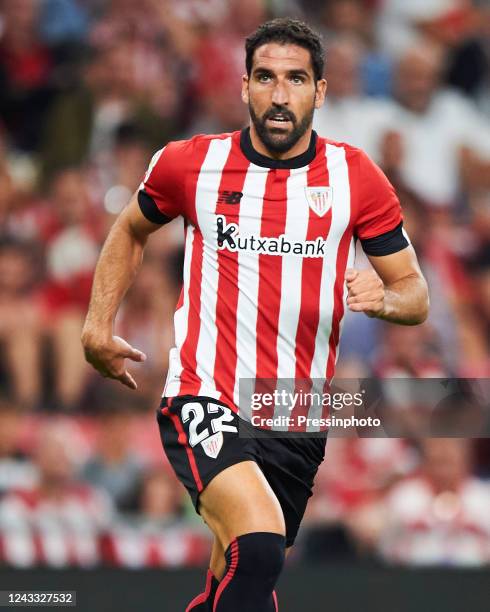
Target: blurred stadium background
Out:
[89,89]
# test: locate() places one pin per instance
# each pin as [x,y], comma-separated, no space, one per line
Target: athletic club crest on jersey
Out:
[319,199]
[213,444]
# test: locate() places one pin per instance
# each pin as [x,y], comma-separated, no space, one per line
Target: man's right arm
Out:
[117,266]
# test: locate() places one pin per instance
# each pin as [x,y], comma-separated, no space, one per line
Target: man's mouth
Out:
[278,120]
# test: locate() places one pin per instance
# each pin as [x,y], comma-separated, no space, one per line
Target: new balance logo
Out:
[230,197]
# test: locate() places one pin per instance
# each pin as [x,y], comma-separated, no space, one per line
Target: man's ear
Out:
[320,92]
[245,96]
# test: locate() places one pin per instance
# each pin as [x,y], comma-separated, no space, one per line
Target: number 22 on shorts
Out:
[211,441]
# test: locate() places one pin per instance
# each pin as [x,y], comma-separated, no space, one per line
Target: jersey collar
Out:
[268,162]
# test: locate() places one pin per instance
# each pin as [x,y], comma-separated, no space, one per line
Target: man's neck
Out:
[298,149]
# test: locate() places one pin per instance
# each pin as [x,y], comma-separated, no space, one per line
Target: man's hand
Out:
[366,292]
[108,356]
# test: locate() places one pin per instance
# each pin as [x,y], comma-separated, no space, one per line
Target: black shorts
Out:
[200,437]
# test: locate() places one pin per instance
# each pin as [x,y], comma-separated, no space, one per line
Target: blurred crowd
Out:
[89,90]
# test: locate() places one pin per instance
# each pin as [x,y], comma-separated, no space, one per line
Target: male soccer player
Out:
[271,215]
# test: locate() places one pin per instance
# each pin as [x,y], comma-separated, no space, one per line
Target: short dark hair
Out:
[285,30]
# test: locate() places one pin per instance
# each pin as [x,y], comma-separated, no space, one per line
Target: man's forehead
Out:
[282,57]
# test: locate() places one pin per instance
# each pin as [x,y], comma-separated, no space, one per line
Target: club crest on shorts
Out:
[319,199]
[213,444]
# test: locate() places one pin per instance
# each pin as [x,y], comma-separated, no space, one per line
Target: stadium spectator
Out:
[444,143]
[410,351]
[355,19]
[114,467]
[357,472]
[26,73]
[111,183]
[348,115]
[83,122]
[469,64]
[161,499]
[400,24]
[440,515]
[347,17]
[122,19]
[19,321]
[455,316]
[159,535]
[71,246]
[201,39]
[16,471]
[58,521]
[150,66]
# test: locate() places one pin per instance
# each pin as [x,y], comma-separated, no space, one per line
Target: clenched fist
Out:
[366,292]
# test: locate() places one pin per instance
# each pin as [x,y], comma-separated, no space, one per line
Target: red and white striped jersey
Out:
[267,243]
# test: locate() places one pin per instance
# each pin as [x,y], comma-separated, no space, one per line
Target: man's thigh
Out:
[239,500]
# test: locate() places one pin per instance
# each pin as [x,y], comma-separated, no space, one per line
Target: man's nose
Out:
[280,94]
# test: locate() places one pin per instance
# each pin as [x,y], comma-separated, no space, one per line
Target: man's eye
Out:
[264,78]
[297,80]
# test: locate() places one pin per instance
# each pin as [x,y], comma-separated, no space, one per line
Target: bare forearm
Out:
[117,266]
[119,260]
[406,301]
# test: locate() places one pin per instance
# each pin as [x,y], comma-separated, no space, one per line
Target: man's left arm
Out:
[395,290]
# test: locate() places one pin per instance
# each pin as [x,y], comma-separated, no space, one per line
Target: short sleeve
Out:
[379,222]
[161,195]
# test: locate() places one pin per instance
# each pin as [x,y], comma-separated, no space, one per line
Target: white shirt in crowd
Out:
[431,141]
[427,528]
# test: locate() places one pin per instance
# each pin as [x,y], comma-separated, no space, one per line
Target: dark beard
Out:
[269,136]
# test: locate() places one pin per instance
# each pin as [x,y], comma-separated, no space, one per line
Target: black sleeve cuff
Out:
[386,244]
[150,209]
